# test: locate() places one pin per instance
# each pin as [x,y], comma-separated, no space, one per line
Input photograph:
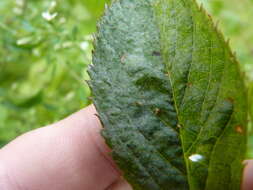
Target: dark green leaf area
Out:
[170,96]
[141,126]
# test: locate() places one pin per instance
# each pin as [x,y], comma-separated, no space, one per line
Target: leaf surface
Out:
[170,96]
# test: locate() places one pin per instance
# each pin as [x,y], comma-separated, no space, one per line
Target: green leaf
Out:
[170,96]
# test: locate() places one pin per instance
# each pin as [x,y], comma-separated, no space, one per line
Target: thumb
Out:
[67,155]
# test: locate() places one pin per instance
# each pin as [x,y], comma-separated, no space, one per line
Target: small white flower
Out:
[53,4]
[20,3]
[196,157]
[24,41]
[48,16]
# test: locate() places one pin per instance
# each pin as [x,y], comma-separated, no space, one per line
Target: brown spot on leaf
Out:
[179,126]
[156,53]
[231,100]
[189,84]
[138,103]
[123,58]
[239,129]
[157,111]
[167,73]
[245,162]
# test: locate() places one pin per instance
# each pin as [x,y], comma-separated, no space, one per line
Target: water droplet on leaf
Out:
[196,157]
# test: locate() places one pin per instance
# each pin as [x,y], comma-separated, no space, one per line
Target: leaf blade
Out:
[166,66]
[214,91]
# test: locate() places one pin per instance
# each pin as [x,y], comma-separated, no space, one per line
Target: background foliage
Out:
[45,48]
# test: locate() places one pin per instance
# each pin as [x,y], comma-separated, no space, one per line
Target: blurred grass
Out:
[45,47]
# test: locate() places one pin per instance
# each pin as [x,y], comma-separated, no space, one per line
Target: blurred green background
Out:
[45,48]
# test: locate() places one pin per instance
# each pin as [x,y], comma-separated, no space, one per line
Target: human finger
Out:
[67,155]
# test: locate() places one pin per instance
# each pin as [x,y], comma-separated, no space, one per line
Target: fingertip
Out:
[70,154]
